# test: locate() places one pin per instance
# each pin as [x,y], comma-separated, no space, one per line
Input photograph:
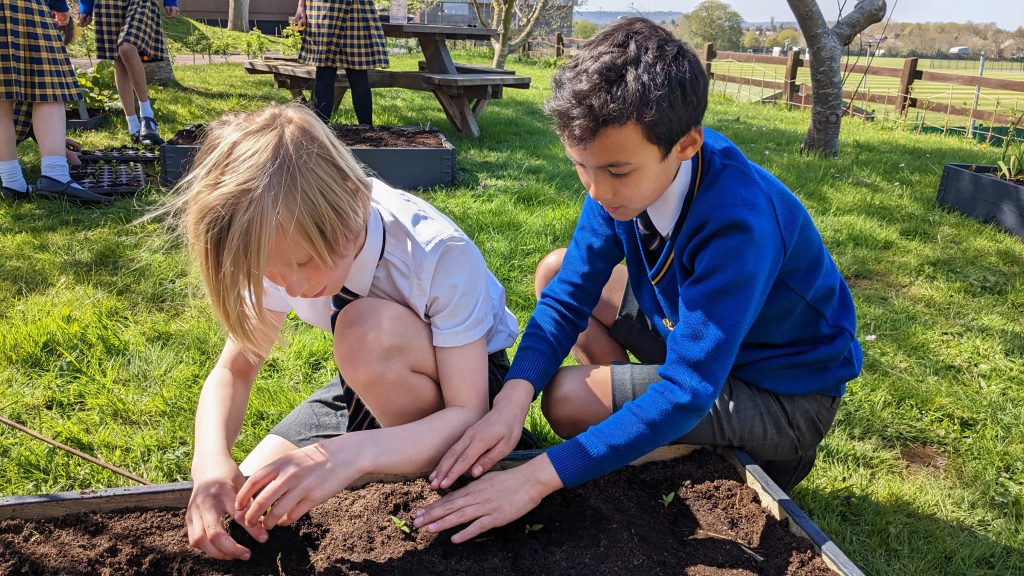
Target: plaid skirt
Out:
[22,120]
[34,66]
[344,34]
[135,22]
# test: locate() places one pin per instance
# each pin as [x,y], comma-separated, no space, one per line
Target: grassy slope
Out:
[105,337]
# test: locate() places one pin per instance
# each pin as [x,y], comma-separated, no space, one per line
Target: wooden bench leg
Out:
[459,112]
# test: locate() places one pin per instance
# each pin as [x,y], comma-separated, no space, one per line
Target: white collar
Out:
[364,266]
[665,210]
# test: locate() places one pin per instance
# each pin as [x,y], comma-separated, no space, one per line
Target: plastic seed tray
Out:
[122,154]
[110,178]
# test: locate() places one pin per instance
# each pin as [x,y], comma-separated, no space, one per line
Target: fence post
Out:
[709,55]
[792,63]
[559,45]
[907,78]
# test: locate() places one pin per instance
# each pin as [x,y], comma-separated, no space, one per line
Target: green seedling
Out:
[402,525]
[666,499]
[533,528]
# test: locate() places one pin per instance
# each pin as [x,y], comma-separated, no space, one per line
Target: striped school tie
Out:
[343,298]
[650,239]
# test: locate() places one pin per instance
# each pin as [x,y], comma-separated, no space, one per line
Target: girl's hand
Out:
[73,152]
[84,20]
[300,15]
[282,491]
[489,440]
[213,497]
[172,11]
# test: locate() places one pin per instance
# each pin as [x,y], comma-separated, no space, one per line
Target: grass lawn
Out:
[105,336]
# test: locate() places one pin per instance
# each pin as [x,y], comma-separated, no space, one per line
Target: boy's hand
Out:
[488,441]
[213,497]
[494,500]
[172,11]
[84,20]
[282,491]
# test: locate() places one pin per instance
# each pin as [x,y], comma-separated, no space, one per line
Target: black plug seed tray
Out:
[121,154]
[110,178]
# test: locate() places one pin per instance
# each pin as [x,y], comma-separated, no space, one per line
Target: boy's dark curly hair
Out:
[634,70]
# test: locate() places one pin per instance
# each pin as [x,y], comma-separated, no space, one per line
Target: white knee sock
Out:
[11,175]
[56,167]
[146,110]
[133,124]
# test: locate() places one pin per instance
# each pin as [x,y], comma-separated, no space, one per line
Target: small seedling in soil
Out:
[400,524]
[666,499]
[533,528]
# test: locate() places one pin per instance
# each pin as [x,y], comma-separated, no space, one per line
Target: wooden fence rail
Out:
[799,95]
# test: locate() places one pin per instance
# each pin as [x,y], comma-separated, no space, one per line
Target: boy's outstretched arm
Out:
[215,475]
[489,440]
[284,490]
[494,500]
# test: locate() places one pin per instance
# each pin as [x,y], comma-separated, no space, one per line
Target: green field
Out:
[106,336]
[1002,101]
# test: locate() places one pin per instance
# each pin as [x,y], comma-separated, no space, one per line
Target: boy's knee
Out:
[557,404]
[547,268]
[369,338]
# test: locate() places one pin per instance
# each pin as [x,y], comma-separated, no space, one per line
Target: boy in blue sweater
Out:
[743,325]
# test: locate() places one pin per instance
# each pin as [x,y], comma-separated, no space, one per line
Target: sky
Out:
[1008,14]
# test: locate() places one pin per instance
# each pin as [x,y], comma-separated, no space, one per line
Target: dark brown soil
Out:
[615,525]
[388,137]
[353,136]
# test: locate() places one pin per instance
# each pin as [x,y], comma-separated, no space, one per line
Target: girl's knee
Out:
[126,50]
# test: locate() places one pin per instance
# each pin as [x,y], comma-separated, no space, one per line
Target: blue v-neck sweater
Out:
[744,287]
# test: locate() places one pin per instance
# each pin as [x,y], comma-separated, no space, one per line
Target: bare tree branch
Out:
[864,14]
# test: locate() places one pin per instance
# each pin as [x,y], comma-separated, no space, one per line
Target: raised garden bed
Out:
[725,517]
[977,192]
[93,120]
[408,158]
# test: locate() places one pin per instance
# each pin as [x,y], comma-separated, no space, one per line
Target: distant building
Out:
[557,18]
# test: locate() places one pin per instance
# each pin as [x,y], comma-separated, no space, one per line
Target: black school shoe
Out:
[12,194]
[53,189]
[149,135]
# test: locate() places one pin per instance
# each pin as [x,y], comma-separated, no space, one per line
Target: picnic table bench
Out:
[463,90]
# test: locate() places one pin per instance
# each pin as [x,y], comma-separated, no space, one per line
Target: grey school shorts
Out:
[780,432]
[324,414]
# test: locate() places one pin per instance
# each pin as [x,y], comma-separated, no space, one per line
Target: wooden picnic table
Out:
[462,90]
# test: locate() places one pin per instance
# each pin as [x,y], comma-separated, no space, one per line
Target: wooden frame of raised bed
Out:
[773,499]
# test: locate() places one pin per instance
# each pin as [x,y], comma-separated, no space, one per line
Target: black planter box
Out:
[403,168]
[977,192]
[410,168]
[92,123]
[175,162]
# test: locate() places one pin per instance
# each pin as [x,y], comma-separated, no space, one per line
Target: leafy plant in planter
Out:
[98,94]
[989,193]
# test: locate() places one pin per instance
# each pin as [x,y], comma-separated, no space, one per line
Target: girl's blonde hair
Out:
[256,175]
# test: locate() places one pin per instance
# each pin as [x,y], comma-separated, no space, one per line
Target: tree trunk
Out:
[826,100]
[160,73]
[825,48]
[238,15]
